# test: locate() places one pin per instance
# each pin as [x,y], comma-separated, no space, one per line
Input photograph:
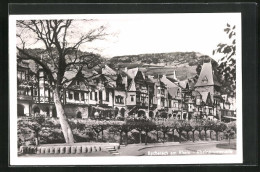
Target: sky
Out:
[160,33]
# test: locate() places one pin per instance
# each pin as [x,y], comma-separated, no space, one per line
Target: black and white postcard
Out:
[122,89]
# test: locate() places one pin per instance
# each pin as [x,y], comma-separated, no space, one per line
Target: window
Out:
[170,103]
[46,93]
[91,95]
[76,95]
[82,96]
[132,98]
[19,75]
[77,82]
[163,102]
[70,95]
[163,91]
[41,74]
[86,96]
[119,99]
[107,95]
[35,92]
[143,97]
[205,80]
[96,96]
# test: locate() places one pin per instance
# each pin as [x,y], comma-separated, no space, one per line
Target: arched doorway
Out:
[36,111]
[184,116]
[54,113]
[164,115]
[116,111]
[20,110]
[141,113]
[151,114]
[47,110]
[122,111]
[189,116]
[79,114]
[174,116]
[169,115]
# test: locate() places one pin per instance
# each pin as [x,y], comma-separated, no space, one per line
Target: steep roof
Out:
[207,77]
[106,70]
[133,72]
[173,91]
[204,96]
[131,86]
[168,82]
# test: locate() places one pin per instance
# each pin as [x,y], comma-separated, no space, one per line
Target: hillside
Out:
[184,63]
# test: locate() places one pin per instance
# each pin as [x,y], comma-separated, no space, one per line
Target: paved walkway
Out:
[141,149]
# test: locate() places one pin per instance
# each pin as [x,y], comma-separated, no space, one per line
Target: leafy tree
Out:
[227,64]
[61,43]
[165,127]
[180,127]
[195,125]
[230,130]
[148,126]
[187,128]
[219,127]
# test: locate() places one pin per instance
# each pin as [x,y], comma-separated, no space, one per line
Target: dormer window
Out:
[41,74]
[205,80]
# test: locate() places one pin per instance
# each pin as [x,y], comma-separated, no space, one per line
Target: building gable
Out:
[132,86]
[206,77]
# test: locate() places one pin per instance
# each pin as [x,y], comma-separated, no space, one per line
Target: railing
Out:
[24,97]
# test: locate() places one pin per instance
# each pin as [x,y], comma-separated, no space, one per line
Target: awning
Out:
[103,108]
[230,117]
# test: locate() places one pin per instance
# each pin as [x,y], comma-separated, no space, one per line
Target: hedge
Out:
[42,130]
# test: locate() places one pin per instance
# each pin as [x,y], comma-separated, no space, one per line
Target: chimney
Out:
[174,75]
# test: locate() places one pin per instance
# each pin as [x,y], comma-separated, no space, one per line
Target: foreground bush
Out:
[32,131]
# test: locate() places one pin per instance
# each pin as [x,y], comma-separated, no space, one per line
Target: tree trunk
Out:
[164,137]
[102,134]
[216,135]
[200,135]
[179,136]
[146,133]
[140,136]
[36,138]
[188,137]
[157,136]
[120,138]
[173,135]
[66,130]
[97,136]
[193,136]
[126,135]
[210,134]
[205,134]
[229,140]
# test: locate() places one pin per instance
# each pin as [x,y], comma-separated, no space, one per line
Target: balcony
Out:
[24,97]
[142,105]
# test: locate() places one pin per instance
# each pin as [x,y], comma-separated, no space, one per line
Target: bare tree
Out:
[61,43]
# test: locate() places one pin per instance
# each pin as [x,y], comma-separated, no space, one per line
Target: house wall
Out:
[93,101]
[45,109]
[80,101]
[120,93]
[110,102]
[128,98]
[26,106]
[72,110]
[205,89]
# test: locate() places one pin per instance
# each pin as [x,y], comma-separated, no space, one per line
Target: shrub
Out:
[131,130]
